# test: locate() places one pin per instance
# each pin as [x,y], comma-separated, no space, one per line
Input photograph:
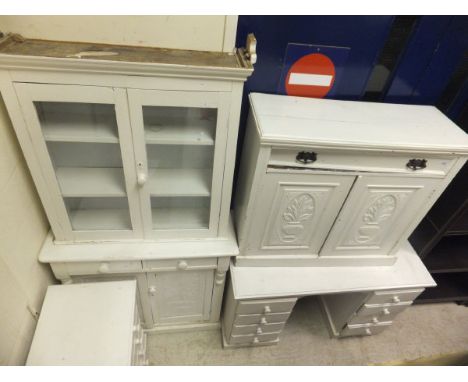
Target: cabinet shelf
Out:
[180,135]
[450,287]
[100,219]
[180,218]
[78,123]
[179,182]
[449,255]
[91,182]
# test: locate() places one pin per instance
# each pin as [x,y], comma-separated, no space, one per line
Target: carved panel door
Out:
[181,296]
[378,211]
[295,212]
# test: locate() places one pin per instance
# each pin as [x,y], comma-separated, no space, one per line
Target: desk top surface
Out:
[354,124]
[270,282]
[85,324]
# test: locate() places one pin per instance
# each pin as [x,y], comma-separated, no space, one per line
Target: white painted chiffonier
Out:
[132,152]
[328,193]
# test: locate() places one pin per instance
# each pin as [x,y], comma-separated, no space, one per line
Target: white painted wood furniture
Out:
[333,183]
[94,324]
[132,152]
[356,300]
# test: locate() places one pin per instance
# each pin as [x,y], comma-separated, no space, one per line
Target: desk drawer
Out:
[266,306]
[358,161]
[393,297]
[364,330]
[253,339]
[257,329]
[180,264]
[250,319]
[378,313]
[92,268]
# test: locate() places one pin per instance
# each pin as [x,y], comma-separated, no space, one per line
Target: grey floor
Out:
[421,331]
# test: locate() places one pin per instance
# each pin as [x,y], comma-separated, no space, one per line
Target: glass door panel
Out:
[180,145]
[83,144]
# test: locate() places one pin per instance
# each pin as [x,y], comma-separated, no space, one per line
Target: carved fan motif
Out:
[300,209]
[380,210]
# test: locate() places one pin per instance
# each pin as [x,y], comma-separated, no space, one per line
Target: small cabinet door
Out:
[378,211]
[82,140]
[181,296]
[294,212]
[180,141]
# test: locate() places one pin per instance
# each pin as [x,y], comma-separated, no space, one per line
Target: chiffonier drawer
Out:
[358,161]
[257,329]
[393,297]
[266,306]
[378,313]
[251,319]
[91,268]
[253,339]
[180,264]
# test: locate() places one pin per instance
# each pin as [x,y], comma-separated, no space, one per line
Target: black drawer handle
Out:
[416,164]
[306,157]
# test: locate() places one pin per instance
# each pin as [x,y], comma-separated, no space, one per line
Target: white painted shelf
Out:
[101,219]
[91,182]
[180,218]
[179,182]
[63,128]
[201,134]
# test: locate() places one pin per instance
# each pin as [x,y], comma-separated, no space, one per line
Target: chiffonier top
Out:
[19,52]
[287,120]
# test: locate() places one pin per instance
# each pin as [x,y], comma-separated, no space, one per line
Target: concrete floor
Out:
[430,332]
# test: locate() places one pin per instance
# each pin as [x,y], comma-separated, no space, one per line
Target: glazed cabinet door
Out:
[378,211]
[180,141]
[294,212]
[180,296]
[82,139]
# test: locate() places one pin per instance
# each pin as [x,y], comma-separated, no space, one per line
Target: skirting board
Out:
[183,328]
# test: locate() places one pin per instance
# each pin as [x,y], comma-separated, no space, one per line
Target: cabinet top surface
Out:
[266,282]
[86,324]
[297,120]
[16,49]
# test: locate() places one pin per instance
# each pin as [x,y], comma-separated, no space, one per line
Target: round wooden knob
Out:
[263,321]
[255,340]
[368,332]
[259,331]
[142,178]
[386,312]
[267,309]
[152,290]
[396,299]
[375,320]
[182,265]
[104,268]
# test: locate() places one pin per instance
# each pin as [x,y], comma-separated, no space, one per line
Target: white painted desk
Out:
[356,300]
[89,324]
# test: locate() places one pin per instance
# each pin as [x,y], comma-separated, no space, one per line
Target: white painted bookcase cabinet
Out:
[132,151]
[328,193]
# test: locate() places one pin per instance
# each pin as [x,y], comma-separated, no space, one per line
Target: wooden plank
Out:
[180,135]
[100,219]
[179,182]
[180,218]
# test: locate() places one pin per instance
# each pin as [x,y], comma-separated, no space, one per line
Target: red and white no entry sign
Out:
[312,75]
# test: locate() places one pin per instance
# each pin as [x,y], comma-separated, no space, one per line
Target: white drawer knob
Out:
[259,331]
[267,309]
[375,320]
[263,321]
[182,265]
[152,290]
[396,299]
[255,340]
[368,332]
[386,312]
[104,268]
[138,341]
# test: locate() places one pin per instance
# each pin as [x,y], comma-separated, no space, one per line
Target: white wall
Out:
[211,33]
[23,227]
